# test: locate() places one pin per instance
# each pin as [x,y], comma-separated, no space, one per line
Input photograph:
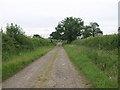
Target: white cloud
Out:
[47,13]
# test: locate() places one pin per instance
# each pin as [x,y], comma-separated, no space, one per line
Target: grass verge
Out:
[99,66]
[16,63]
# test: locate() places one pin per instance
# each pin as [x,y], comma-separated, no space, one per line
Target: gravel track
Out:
[53,70]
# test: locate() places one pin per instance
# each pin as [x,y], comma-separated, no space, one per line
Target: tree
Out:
[13,30]
[94,27]
[68,29]
[87,32]
[98,31]
[36,35]
[55,35]
[14,41]
[71,28]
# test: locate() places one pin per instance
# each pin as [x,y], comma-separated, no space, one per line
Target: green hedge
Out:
[107,42]
[12,46]
[15,41]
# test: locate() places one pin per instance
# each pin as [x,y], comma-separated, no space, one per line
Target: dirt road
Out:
[54,70]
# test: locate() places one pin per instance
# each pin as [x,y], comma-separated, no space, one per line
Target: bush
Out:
[107,42]
[15,41]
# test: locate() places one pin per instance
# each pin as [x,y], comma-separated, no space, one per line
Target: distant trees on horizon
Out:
[70,28]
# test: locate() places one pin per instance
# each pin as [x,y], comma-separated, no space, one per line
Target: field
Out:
[97,58]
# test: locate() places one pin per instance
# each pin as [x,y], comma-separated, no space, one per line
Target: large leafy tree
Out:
[68,29]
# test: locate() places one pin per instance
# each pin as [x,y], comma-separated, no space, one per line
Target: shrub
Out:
[107,42]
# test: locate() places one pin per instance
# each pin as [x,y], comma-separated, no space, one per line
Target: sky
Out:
[119,14]
[42,16]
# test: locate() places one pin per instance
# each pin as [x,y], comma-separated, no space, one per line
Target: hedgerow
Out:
[106,42]
[15,41]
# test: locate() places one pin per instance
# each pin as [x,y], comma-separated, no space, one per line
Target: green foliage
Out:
[91,30]
[106,42]
[71,28]
[14,41]
[87,32]
[13,30]
[55,35]
[17,62]
[100,66]
[18,49]
[94,27]
[68,29]
[36,35]
[97,57]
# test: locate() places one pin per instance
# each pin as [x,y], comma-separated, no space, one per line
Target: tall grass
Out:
[17,62]
[97,57]
[92,63]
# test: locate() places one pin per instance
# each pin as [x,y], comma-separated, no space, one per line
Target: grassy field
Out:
[15,63]
[99,64]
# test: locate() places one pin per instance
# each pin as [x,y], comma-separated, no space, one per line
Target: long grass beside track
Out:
[92,65]
[97,58]
[15,63]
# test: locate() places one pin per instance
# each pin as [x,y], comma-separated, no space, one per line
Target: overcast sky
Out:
[119,14]
[42,16]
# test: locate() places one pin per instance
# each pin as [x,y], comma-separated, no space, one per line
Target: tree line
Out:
[15,41]
[72,28]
